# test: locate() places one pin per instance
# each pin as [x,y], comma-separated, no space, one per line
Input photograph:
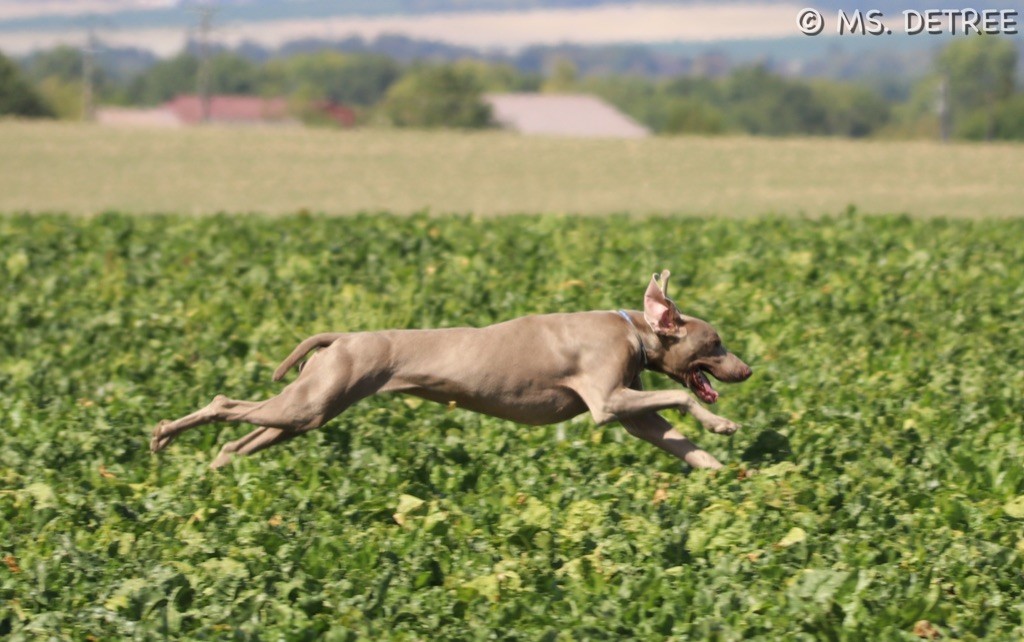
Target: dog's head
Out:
[691,348]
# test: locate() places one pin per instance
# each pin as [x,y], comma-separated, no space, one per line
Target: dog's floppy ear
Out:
[659,311]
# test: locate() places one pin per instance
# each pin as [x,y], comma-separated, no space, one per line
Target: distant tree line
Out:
[17,96]
[971,91]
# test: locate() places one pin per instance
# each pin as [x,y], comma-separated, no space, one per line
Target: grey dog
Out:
[536,370]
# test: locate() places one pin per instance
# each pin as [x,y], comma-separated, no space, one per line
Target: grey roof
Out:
[562,115]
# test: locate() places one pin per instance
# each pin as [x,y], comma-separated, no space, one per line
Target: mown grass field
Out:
[71,168]
[884,419]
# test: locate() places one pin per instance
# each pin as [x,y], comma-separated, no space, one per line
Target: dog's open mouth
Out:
[698,382]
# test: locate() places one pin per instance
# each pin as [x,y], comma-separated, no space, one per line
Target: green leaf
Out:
[17,263]
[225,567]
[1015,507]
[536,513]
[581,518]
[408,504]
[794,536]
[42,494]
[486,585]
[817,585]
[721,526]
[435,519]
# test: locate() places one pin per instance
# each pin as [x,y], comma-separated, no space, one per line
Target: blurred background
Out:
[608,71]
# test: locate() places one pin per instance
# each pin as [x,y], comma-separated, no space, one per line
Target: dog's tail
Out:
[316,341]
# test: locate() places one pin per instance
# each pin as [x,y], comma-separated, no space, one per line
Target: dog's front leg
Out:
[627,402]
[653,428]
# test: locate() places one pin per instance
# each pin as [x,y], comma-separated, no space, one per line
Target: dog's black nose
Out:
[745,373]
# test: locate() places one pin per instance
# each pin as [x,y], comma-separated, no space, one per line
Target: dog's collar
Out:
[639,339]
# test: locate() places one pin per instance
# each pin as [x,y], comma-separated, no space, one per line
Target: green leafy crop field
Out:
[884,421]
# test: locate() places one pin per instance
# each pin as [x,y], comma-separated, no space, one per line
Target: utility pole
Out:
[89,76]
[206,16]
[944,108]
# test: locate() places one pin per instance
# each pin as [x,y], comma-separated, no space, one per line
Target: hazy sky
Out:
[31,8]
[485,30]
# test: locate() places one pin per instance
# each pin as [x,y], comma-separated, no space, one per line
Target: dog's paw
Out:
[158,441]
[222,459]
[723,426]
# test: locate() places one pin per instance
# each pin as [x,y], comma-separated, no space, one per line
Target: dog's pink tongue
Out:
[704,389]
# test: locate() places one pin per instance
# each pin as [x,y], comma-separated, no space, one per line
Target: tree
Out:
[1004,122]
[751,100]
[563,77]
[165,80]
[764,103]
[57,76]
[851,110]
[64,97]
[233,74]
[352,79]
[980,73]
[637,96]
[440,96]
[497,77]
[693,116]
[62,62]
[17,97]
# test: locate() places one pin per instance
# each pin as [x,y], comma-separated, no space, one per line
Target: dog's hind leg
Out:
[326,387]
[262,437]
[292,410]
[332,381]
[166,430]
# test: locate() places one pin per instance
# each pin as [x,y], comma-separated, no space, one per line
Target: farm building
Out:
[136,117]
[578,115]
[223,110]
[231,110]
